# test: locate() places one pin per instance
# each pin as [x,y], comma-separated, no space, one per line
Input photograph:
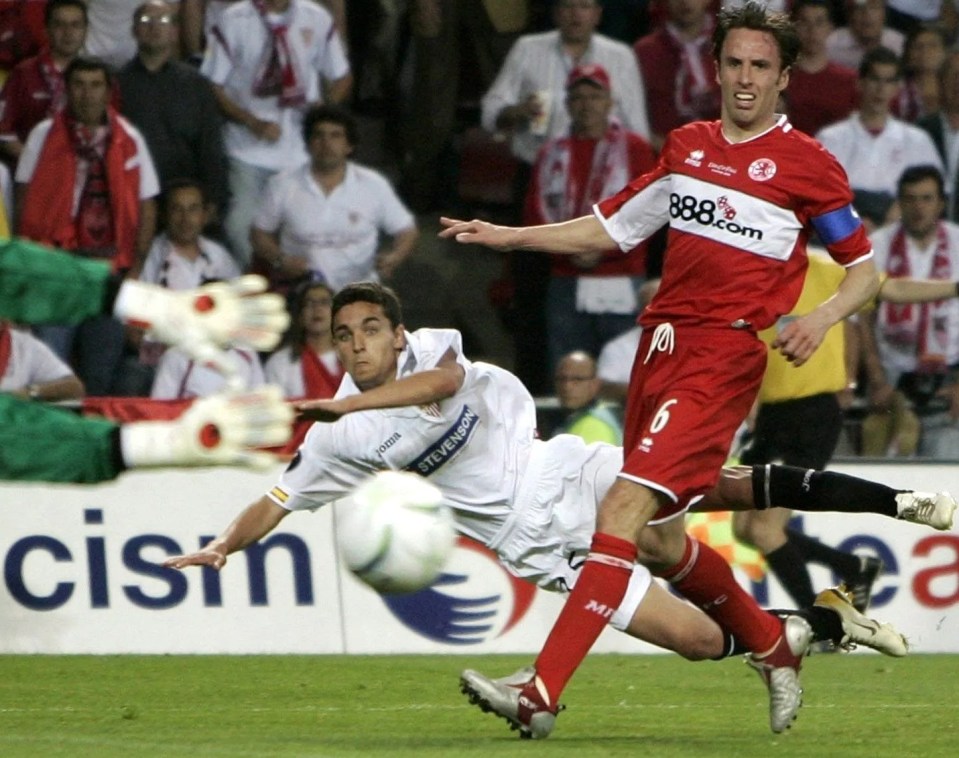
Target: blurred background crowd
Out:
[319,141]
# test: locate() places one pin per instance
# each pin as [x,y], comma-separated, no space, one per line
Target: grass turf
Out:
[858,705]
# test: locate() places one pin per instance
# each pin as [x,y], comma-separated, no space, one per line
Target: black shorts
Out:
[801,432]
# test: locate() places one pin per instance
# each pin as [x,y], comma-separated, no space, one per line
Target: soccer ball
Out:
[394,532]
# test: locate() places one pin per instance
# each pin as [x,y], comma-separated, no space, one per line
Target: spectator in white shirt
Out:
[873,146]
[527,97]
[31,370]
[269,60]
[325,219]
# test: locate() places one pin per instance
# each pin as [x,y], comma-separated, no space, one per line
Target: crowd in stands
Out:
[202,139]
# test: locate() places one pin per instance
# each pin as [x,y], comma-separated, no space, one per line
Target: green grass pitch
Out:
[649,706]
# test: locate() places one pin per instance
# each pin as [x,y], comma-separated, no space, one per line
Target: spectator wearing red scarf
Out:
[85,183]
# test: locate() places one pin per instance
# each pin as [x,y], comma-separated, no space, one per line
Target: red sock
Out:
[704,577]
[599,590]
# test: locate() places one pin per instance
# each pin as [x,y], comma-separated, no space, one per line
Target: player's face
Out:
[87,96]
[751,79]
[67,30]
[921,206]
[329,147]
[589,108]
[366,343]
[186,215]
[317,311]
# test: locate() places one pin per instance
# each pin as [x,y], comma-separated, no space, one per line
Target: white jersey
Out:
[533,502]
[165,266]
[31,362]
[338,233]
[874,162]
[234,60]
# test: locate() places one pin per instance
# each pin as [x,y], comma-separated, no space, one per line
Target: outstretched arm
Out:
[253,523]
[420,388]
[581,235]
[904,290]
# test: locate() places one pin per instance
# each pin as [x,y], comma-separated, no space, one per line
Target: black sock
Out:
[810,490]
[846,565]
[825,623]
[788,565]
[731,647]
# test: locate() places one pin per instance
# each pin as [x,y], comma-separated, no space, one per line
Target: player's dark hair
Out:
[334,114]
[53,5]
[916,174]
[757,17]
[295,336]
[85,63]
[879,56]
[370,292]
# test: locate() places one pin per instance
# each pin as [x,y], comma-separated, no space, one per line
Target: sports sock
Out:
[706,580]
[826,623]
[810,490]
[598,591]
[846,565]
[789,567]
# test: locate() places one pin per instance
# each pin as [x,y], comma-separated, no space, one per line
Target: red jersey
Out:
[817,100]
[740,215]
[33,91]
[22,31]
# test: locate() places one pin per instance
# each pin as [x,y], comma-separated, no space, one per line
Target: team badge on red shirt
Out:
[762,170]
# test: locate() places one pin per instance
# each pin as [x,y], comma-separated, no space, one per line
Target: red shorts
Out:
[685,406]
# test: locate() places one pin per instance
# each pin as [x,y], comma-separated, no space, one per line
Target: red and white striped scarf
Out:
[53,82]
[561,195]
[921,325]
[277,72]
[696,92]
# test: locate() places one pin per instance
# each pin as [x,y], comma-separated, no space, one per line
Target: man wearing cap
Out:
[591,296]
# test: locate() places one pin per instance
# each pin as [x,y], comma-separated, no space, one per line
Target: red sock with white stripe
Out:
[704,577]
[599,590]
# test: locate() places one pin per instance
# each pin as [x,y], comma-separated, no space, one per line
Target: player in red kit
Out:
[741,197]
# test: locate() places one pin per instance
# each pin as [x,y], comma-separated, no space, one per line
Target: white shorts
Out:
[547,538]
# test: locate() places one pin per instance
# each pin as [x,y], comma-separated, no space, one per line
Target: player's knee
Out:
[700,644]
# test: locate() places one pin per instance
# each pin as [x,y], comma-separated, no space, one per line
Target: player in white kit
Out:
[470,428]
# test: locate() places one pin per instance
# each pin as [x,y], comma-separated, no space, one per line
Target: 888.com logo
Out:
[717,214]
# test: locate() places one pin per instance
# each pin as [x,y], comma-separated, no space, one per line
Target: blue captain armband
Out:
[836,225]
